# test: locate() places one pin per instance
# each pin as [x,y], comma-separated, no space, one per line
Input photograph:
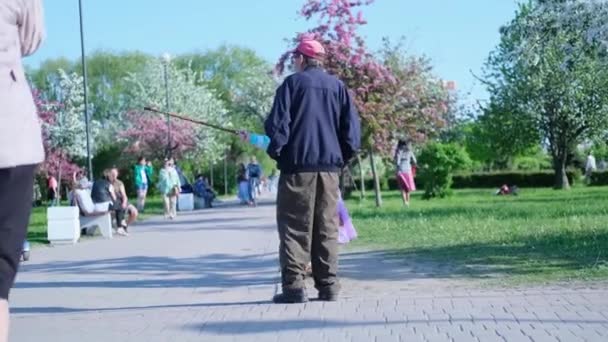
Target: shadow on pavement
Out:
[66,310]
[213,270]
[253,327]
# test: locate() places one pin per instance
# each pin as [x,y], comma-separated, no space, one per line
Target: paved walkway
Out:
[209,276]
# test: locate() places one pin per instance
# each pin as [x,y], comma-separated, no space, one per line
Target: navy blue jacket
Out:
[313,125]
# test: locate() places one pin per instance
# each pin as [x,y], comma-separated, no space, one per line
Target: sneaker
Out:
[122,232]
[327,296]
[291,297]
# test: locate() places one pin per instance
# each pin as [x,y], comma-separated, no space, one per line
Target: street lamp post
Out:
[450,87]
[166,59]
[86,95]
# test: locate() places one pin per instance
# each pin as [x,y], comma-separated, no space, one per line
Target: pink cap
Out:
[311,48]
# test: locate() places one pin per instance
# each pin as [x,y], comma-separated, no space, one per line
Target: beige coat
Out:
[21,32]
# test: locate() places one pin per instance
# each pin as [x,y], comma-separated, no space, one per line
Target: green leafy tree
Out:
[148,133]
[67,130]
[550,69]
[240,78]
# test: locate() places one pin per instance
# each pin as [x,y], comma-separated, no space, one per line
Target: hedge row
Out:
[538,179]
[599,178]
[495,180]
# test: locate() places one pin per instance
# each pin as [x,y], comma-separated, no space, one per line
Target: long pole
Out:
[86,93]
[226,172]
[167,109]
[185,118]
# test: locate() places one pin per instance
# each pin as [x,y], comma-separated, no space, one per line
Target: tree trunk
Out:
[362,176]
[376,179]
[559,166]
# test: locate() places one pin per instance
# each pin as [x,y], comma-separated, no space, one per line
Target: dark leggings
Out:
[16,187]
[119,212]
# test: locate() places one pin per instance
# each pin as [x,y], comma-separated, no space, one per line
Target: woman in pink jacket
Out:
[21,32]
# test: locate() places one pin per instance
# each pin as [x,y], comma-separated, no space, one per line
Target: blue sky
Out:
[456,34]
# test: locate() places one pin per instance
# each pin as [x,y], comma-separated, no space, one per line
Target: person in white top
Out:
[21,150]
[590,167]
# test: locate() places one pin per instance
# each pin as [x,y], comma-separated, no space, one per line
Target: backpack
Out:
[254,171]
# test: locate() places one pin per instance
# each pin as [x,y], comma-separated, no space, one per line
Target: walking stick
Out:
[199,122]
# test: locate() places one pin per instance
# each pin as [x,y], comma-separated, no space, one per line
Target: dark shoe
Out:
[327,296]
[291,297]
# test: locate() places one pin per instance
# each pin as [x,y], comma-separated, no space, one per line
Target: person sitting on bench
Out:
[202,190]
[121,197]
[103,192]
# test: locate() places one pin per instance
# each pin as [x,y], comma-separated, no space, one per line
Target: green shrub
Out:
[437,163]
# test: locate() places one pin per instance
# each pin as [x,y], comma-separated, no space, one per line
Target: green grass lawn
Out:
[541,235]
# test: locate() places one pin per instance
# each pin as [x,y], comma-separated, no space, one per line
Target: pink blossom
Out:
[389,101]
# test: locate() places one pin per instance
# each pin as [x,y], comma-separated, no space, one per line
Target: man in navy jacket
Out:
[314,131]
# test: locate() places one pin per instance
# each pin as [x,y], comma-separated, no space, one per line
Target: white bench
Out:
[103,222]
[185,202]
[63,226]
[199,203]
[96,215]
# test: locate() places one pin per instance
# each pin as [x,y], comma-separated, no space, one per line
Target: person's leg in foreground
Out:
[325,237]
[16,186]
[306,216]
[295,218]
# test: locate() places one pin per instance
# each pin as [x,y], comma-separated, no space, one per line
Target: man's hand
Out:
[244,135]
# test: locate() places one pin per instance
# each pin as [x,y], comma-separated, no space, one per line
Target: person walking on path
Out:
[169,187]
[21,33]
[405,162]
[314,131]
[143,174]
[254,174]
[242,183]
